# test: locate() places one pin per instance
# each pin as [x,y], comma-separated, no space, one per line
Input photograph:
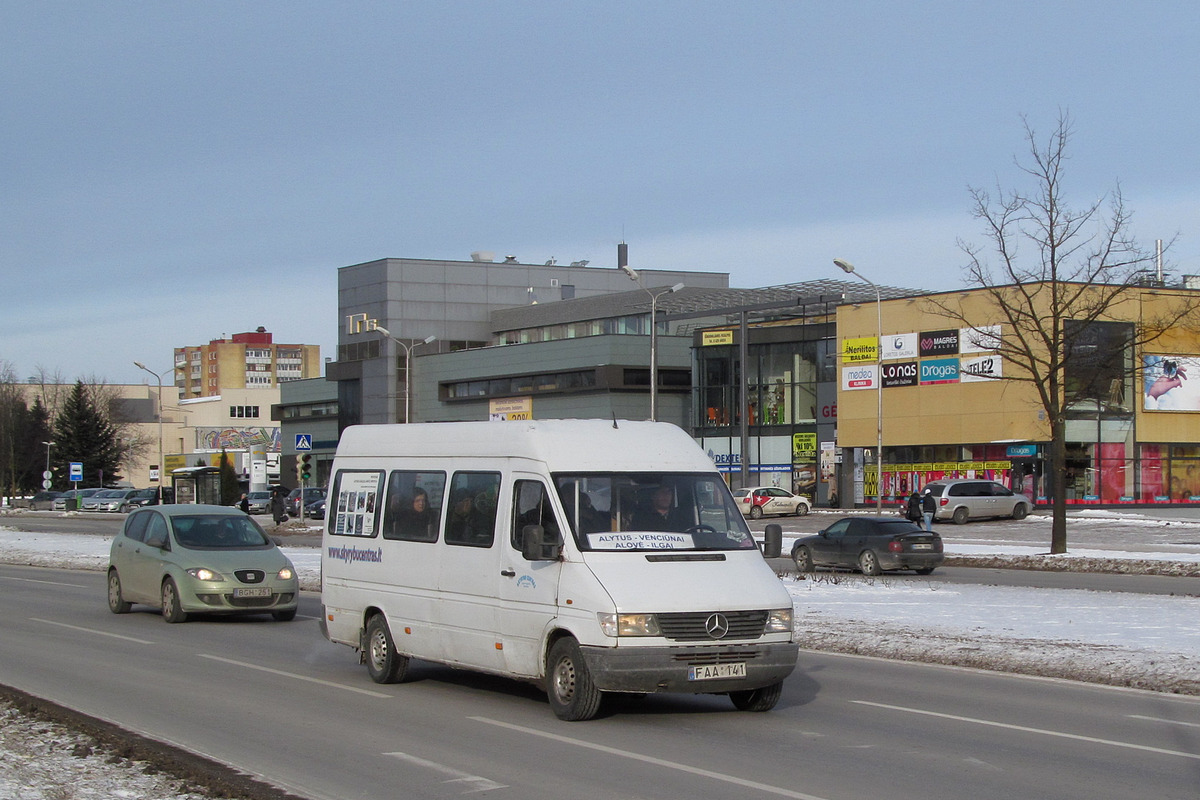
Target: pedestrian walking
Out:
[928,508]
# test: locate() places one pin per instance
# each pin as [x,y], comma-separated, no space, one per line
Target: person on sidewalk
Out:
[928,509]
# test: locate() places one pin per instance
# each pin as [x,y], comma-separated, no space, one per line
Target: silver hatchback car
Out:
[964,499]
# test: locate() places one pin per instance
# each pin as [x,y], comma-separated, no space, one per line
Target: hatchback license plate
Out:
[261,591]
[922,547]
[708,672]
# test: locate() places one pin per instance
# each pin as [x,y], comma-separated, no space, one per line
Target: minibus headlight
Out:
[629,625]
[779,621]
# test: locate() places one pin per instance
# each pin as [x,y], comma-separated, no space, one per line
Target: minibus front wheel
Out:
[573,695]
[384,664]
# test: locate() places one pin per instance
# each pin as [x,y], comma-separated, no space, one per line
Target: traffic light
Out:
[306,466]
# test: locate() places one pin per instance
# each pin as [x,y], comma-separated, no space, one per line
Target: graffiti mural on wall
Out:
[238,438]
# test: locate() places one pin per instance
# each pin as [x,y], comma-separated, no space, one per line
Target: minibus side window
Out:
[413,508]
[352,508]
[531,506]
[471,512]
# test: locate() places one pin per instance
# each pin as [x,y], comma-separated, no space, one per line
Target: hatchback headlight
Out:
[205,574]
[779,621]
[285,574]
[629,624]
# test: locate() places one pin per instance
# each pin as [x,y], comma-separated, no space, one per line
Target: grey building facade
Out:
[453,301]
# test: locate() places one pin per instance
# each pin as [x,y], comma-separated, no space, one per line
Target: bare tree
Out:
[1052,274]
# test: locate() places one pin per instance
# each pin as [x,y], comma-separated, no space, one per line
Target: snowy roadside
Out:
[1124,639]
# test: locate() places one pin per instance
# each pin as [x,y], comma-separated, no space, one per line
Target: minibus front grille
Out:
[707,657]
[704,626]
[686,557]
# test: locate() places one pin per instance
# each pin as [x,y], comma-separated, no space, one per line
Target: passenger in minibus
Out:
[661,513]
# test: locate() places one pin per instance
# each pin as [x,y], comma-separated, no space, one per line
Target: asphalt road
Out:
[277,701]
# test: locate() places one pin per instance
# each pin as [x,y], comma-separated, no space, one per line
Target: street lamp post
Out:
[633,275]
[847,267]
[408,348]
[161,466]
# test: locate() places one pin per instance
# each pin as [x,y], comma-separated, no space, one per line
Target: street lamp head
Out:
[383,330]
[632,273]
[844,265]
[428,339]
[140,365]
[677,287]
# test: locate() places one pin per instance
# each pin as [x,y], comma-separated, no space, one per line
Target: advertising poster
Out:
[939,370]
[1171,383]
[984,368]
[859,350]
[860,377]
[900,346]
[939,343]
[356,502]
[902,374]
[979,340]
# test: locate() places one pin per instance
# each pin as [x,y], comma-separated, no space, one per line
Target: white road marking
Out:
[474,782]
[1167,721]
[1039,731]
[330,684]
[90,630]
[48,583]
[658,762]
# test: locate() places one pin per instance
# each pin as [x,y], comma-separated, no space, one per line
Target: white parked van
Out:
[589,556]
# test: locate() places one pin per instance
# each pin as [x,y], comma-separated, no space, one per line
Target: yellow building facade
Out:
[955,405]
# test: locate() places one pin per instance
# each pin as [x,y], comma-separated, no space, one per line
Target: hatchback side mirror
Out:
[157,540]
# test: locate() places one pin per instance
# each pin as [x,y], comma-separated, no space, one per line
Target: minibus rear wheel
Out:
[573,695]
[384,664]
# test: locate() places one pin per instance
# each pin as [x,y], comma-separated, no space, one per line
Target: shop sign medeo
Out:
[862,376]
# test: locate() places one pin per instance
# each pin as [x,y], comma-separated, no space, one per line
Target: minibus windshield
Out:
[652,511]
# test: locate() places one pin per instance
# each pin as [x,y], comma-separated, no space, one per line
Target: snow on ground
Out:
[1121,638]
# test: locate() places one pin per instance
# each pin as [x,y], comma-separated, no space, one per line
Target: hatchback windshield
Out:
[652,511]
[216,532]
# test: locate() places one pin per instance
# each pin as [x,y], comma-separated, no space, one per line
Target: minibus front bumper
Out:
[670,669]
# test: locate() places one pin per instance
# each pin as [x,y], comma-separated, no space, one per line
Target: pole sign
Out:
[76,471]
[303,442]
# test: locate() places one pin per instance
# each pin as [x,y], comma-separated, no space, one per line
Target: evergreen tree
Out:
[230,489]
[34,432]
[82,433]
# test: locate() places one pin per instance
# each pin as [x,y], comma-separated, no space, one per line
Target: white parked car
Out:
[761,501]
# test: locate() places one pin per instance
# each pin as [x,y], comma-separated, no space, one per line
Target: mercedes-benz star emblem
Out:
[716,626]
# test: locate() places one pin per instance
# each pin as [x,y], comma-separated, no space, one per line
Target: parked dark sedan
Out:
[870,544]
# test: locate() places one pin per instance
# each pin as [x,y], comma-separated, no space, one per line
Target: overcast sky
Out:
[172,173]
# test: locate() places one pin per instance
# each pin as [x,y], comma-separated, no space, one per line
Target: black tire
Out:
[384,664]
[763,699]
[284,616]
[801,509]
[803,558]
[569,686]
[116,600]
[172,608]
[961,515]
[868,562]
[1021,511]
[755,512]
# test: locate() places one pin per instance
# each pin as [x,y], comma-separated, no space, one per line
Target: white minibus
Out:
[587,556]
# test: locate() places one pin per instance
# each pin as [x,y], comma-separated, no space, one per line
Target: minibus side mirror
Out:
[772,540]
[537,546]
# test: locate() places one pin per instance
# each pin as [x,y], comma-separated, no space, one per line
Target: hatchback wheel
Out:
[755,512]
[801,509]
[868,562]
[172,609]
[116,600]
